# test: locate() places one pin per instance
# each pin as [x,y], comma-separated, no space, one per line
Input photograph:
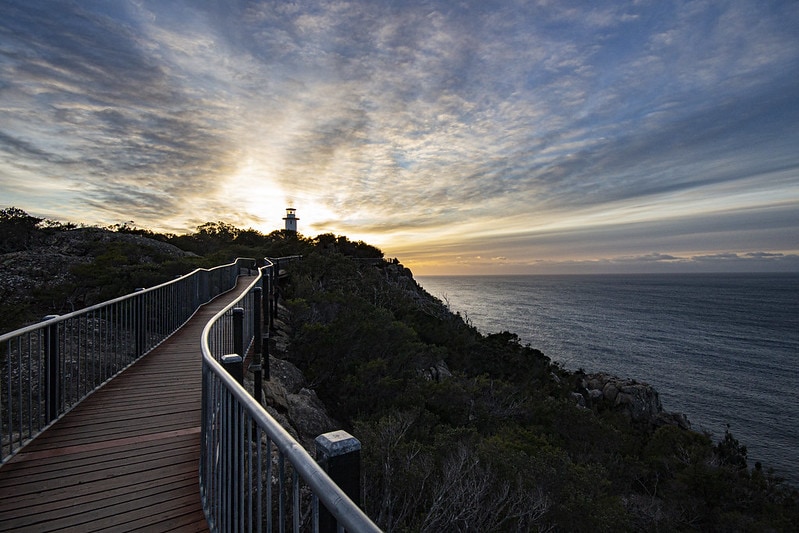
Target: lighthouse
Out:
[291,219]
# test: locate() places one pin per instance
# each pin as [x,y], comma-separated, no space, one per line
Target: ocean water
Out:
[723,348]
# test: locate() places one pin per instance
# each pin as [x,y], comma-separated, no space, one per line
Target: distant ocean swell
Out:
[723,349]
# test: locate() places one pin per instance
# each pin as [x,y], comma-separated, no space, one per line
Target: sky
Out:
[473,137]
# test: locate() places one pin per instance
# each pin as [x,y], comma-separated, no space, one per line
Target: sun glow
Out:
[260,198]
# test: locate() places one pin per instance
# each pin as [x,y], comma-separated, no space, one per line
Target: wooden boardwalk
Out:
[127,457]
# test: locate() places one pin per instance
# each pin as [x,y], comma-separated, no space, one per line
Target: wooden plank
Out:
[153,467]
[89,463]
[96,491]
[190,523]
[68,500]
[119,417]
[131,412]
[187,518]
[87,504]
[96,454]
[156,426]
[124,415]
[118,517]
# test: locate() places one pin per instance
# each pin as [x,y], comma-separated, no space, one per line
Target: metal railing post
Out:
[275,290]
[138,326]
[51,368]
[339,455]
[238,331]
[234,365]
[267,297]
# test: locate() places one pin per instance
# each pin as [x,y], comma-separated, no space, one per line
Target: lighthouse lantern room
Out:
[291,219]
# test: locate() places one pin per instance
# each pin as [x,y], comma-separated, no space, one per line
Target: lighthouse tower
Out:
[291,219]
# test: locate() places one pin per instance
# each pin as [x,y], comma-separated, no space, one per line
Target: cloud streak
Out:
[532,129]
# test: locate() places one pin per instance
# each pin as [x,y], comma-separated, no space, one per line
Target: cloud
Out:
[654,257]
[721,262]
[93,100]
[528,128]
[26,150]
[652,263]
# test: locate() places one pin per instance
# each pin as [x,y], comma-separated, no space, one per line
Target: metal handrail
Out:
[244,450]
[47,368]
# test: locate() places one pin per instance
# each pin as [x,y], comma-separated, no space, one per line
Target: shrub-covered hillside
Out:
[461,431]
[469,432]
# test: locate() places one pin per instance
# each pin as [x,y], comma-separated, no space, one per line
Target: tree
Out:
[17,229]
[327,242]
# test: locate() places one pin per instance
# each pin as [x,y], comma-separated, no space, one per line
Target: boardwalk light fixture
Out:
[234,365]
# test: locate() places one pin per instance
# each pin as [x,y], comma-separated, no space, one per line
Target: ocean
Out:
[721,348]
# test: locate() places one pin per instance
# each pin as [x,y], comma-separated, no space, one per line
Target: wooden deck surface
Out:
[127,457]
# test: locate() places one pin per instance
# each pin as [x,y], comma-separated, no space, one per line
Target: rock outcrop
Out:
[439,371]
[289,399]
[294,405]
[640,402]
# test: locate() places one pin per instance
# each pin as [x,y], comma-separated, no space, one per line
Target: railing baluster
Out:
[248,477]
[258,480]
[2,404]
[40,415]
[83,362]
[239,462]
[30,388]
[9,404]
[51,367]
[281,500]
[314,513]
[91,337]
[228,423]
[269,513]
[19,394]
[295,486]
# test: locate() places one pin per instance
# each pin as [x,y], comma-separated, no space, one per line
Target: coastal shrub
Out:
[14,314]
[339,244]
[579,495]
[671,450]
[396,467]
[730,452]
[358,357]
[502,356]
[118,268]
